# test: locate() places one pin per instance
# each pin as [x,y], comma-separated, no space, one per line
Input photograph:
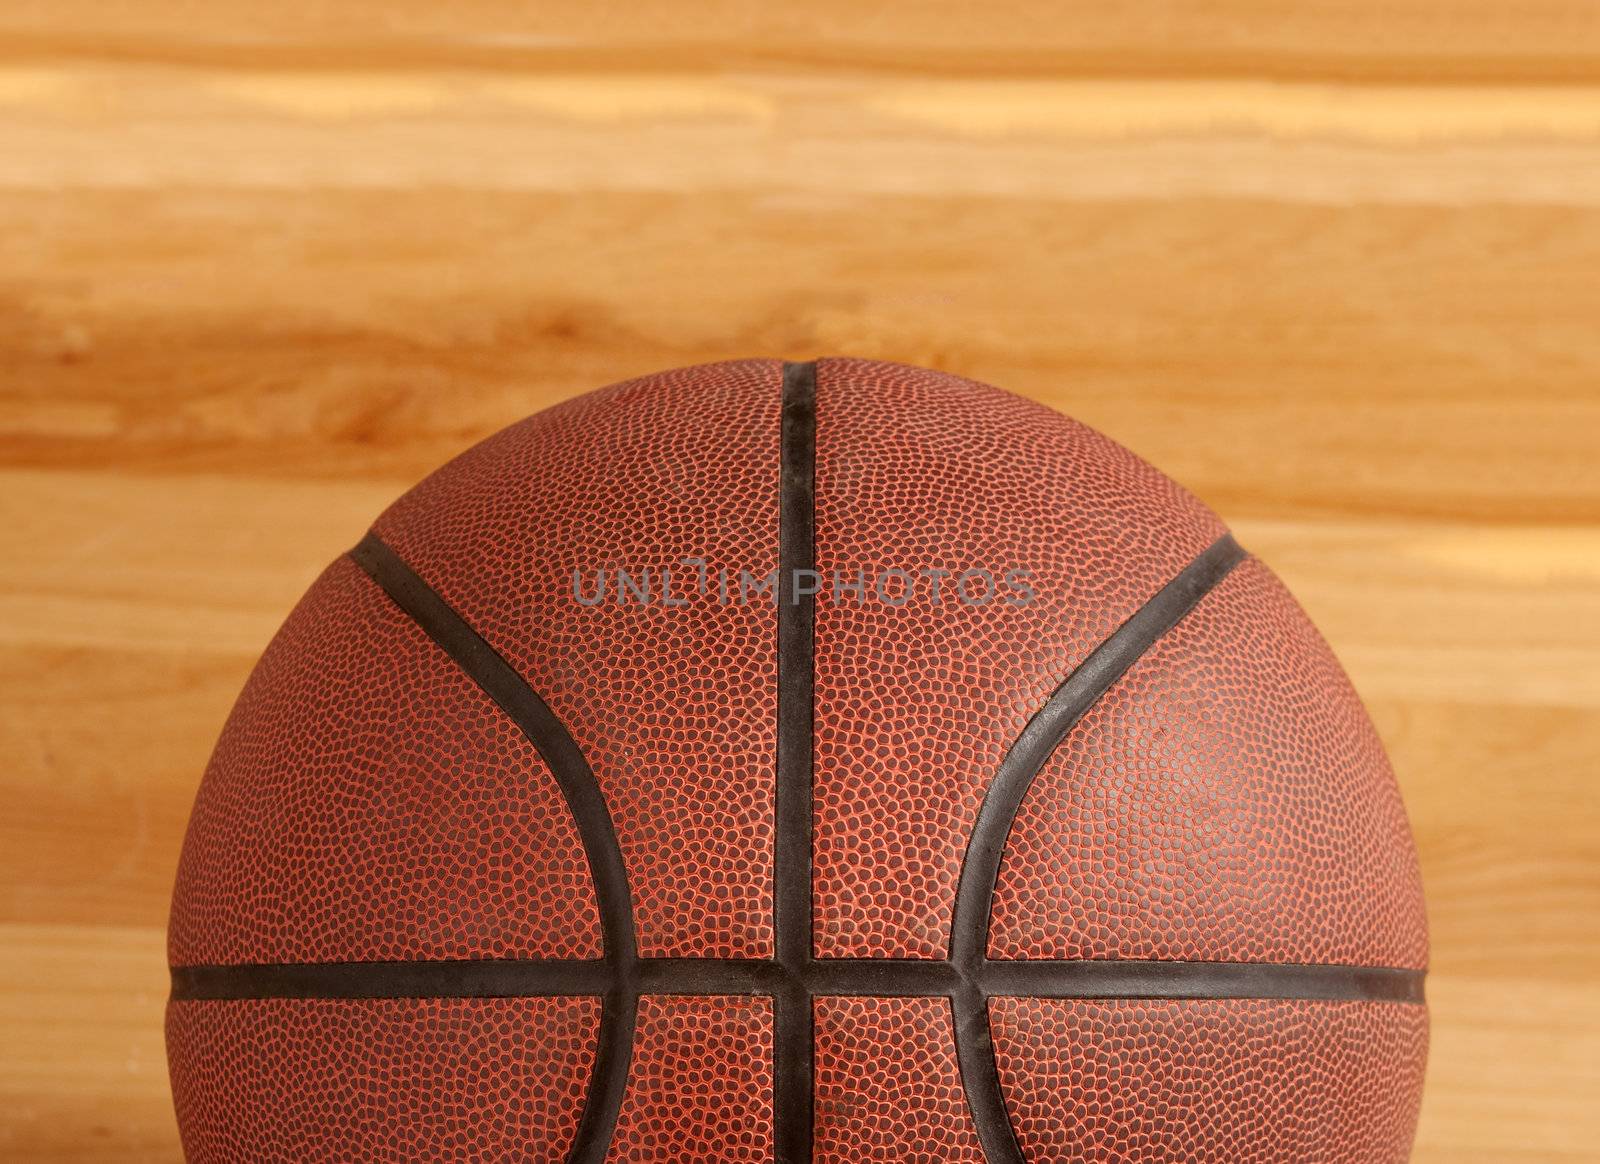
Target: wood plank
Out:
[1363,360]
[858,132]
[1436,40]
[1511,1074]
[84,1076]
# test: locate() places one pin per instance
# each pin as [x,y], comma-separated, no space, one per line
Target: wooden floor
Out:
[1340,274]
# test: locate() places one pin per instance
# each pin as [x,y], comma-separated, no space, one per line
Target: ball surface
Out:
[836,761]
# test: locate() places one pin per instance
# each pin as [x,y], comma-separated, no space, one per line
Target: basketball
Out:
[833,761]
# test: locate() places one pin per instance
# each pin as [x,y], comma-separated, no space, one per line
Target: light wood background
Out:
[1335,267]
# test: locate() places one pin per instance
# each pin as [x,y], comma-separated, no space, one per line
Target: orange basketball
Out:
[834,762]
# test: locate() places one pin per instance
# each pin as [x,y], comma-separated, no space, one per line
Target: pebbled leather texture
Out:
[1225,800]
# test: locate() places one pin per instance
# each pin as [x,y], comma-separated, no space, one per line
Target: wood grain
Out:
[1334,268]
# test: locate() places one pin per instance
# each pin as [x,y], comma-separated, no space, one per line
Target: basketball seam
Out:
[980,866]
[794,1034]
[544,730]
[1083,979]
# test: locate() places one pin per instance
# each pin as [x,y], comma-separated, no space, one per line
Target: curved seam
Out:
[499,680]
[980,867]
[980,1076]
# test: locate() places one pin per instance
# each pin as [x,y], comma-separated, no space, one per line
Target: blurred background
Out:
[1334,267]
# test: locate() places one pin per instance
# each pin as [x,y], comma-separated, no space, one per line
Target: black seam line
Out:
[888,978]
[969,936]
[980,868]
[502,683]
[793,1049]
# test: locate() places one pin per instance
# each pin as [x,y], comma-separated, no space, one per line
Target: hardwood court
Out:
[260,271]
